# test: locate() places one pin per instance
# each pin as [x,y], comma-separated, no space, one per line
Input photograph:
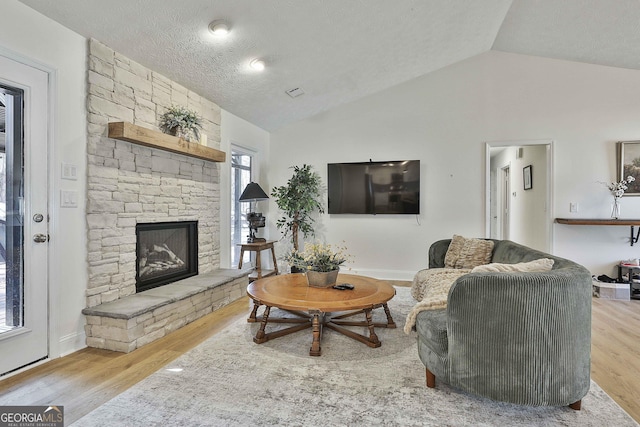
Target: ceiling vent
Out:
[295,92]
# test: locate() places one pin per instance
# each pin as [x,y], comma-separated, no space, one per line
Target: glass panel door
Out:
[11,215]
[24,195]
[241,164]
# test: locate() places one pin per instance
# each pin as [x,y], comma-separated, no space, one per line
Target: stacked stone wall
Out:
[129,183]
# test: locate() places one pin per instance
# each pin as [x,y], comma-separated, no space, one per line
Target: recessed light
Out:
[257,64]
[219,28]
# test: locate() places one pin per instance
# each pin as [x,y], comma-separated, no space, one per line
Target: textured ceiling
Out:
[605,32]
[338,51]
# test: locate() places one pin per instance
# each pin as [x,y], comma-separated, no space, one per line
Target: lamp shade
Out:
[253,192]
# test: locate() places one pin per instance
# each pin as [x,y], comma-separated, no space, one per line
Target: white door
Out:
[23,215]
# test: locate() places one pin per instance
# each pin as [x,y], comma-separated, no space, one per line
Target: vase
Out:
[615,210]
[322,279]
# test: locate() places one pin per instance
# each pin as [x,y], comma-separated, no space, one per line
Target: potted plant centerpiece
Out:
[298,199]
[320,262]
[181,122]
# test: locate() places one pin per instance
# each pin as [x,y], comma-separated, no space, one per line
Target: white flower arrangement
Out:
[617,189]
[317,257]
[181,122]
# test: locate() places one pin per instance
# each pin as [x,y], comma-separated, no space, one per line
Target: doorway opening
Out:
[518,192]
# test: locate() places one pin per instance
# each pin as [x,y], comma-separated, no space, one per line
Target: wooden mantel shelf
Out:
[154,139]
[586,221]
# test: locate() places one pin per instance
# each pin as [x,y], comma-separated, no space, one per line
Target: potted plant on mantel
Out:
[181,122]
[298,200]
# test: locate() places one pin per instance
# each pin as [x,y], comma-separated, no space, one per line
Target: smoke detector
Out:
[295,92]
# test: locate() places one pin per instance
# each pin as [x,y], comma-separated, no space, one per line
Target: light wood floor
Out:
[88,378]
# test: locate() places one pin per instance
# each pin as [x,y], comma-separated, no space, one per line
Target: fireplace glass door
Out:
[165,252]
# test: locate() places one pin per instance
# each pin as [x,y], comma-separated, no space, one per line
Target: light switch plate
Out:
[69,171]
[68,199]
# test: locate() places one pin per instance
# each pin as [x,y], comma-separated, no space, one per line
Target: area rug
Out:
[230,381]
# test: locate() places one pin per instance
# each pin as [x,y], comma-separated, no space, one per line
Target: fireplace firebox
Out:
[165,252]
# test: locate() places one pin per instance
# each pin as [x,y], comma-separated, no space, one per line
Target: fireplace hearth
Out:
[165,252]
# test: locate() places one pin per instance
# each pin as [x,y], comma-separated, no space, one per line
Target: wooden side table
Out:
[258,247]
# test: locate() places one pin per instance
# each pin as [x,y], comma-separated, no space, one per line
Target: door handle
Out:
[40,238]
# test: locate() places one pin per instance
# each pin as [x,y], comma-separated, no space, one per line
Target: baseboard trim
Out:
[381,274]
[71,343]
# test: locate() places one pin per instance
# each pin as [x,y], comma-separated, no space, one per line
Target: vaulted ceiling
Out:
[337,51]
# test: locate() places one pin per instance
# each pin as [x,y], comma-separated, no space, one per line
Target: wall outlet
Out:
[573,207]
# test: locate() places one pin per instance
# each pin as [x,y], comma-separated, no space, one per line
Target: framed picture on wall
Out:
[628,153]
[527,177]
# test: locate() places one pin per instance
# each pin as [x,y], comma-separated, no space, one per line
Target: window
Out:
[241,171]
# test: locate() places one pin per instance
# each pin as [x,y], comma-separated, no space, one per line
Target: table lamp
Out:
[253,193]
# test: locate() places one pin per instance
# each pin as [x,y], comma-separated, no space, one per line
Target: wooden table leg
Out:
[241,257]
[275,262]
[390,323]
[252,316]
[260,335]
[316,328]
[373,338]
[258,264]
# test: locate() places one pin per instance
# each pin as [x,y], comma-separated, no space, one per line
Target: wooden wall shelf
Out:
[151,138]
[586,221]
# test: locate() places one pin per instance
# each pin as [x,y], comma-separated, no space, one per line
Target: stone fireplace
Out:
[133,192]
[130,184]
[165,252]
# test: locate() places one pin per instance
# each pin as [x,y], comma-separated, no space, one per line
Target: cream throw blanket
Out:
[431,287]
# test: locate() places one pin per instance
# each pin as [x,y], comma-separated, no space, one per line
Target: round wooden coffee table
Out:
[313,306]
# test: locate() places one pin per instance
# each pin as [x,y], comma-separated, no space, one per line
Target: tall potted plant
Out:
[298,200]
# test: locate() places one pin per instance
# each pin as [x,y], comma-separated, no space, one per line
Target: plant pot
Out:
[183,133]
[321,279]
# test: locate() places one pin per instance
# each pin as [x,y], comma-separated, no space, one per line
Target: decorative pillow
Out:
[537,265]
[468,253]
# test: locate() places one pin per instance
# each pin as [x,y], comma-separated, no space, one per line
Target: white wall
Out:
[27,35]
[443,119]
[241,133]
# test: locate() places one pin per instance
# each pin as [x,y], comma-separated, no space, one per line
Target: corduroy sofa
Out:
[522,338]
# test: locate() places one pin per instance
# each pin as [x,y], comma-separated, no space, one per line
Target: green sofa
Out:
[523,338]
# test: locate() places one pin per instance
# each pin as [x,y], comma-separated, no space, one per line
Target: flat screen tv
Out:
[391,187]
